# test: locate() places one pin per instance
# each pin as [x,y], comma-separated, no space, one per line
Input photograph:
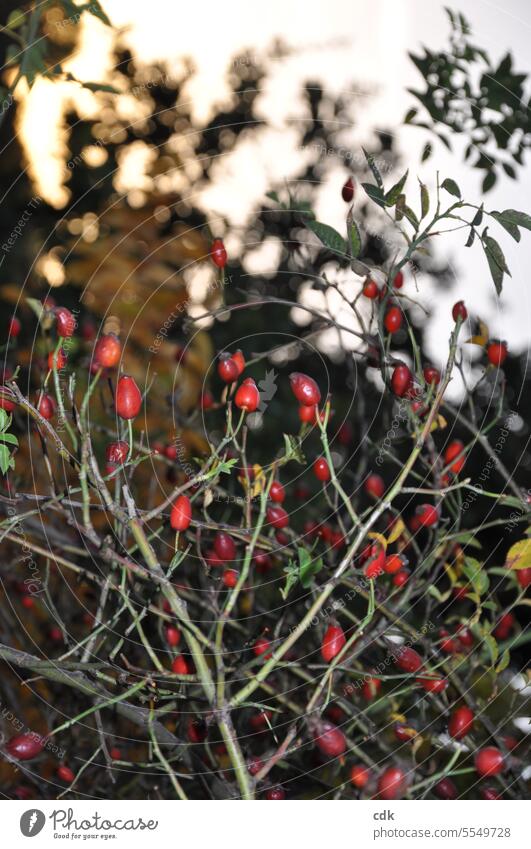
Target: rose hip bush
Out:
[307,608]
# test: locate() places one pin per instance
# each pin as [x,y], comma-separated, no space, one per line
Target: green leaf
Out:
[394,193]
[273,196]
[10,438]
[16,19]
[5,420]
[330,238]
[374,169]
[504,661]
[492,647]
[410,115]
[375,193]
[471,237]
[292,449]
[451,187]
[424,200]
[467,539]
[410,215]
[512,218]
[6,460]
[427,152]
[292,578]
[488,182]
[355,240]
[308,567]
[511,228]
[495,259]
[476,575]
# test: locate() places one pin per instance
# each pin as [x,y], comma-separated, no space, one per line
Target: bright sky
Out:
[339,41]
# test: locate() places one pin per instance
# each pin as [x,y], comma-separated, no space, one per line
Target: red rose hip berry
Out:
[401,380]
[25,747]
[181,513]
[347,192]
[489,762]
[128,401]
[333,641]
[321,470]
[247,397]
[65,322]
[459,311]
[497,353]
[305,389]
[218,254]
[461,722]
[107,351]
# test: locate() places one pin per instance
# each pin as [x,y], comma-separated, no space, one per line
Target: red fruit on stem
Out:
[408,659]
[207,400]
[224,546]
[275,794]
[427,515]
[254,765]
[401,380]
[391,783]
[247,396]
[461,722]
[401,578]
[321,470]
[523,576]
[66,323]
[452,451]
[347,192]
[308,415]
[262,646]
[431,375]
[489,761]
[394,563]
[433,685]
[59,358]
[64,773]
[330,740]
[277,517]
[180,666]
[46,406]
[173,636]
[398,282]
[5,400]
[128,401]
[181,513]
[230,578]
[14,327]
[447,644]
[116,452]
[375,562]
[333,641]
[277,493]
[25,747]
[504,627]
[115,754]
[107,351]
[393,319]
[497,353]
[360,776]
[305,389]
[375,486]
[490,794]
[239,359]
[459,311]
[465,636]
[370,688]
[371,289]
[446,789]
[227,368]
[218,254]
